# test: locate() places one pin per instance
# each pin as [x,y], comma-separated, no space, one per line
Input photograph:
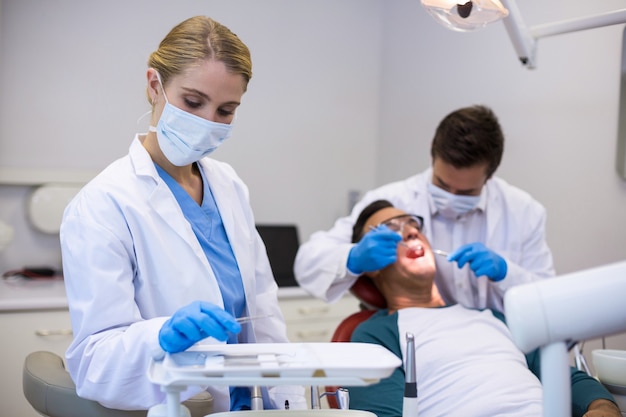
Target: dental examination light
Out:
[573,307]
[476,14]
[472,15]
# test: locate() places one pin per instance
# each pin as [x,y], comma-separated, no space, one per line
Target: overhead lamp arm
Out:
[525,39]
[573,25]
[524,43]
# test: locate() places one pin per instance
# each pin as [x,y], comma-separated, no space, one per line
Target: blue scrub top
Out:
[208,227]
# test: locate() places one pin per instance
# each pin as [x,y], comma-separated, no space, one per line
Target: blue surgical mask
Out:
[449,205]
[186,138]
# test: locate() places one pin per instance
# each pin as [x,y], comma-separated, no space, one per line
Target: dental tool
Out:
[252,318]
[409,403]
[256,398]
[342,397]
[406,245]
[315,397]
[441,252]
[402,243]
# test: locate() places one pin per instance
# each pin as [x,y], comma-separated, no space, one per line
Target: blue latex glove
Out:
[376,250]
[481,260]
[195,322]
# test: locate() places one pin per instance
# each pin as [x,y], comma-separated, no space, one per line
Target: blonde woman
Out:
[160,250]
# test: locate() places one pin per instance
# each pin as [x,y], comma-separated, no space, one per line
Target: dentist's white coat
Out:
[515,229]
[131,259]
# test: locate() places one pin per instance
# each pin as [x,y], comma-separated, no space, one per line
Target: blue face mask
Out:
[449,205]
[186,138]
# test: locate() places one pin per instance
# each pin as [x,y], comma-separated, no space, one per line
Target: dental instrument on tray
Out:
[308,364]
[409,403]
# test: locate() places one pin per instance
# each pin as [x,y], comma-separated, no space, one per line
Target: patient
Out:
[466,361]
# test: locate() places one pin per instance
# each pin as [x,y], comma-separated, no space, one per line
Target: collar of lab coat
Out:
[230,206]
[161,198]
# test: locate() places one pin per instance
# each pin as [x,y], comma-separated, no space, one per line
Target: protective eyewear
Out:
[397,223]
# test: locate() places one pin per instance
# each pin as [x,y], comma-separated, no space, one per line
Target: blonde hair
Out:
[197,39]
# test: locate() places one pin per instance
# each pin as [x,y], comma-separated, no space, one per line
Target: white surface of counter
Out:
[19,294]
[24,294]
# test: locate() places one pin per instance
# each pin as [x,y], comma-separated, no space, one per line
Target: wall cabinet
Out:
[25,332]
[313,320]
[308,320]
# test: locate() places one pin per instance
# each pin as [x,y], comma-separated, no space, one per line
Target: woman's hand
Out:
[195,322]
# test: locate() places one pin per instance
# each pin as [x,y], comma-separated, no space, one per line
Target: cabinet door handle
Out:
[307,311]
[58,332]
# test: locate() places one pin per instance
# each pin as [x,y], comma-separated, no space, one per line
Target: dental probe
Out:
[402,243]
[252,318]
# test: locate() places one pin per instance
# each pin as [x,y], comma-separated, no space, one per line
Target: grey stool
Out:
[49,388]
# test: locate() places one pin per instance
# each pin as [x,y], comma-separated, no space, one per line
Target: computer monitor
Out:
[282,243]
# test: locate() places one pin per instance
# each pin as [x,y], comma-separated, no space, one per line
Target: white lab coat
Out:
[515,224]
[131,259]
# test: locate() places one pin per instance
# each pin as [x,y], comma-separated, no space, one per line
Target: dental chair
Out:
[547,314]
[50,390]
[370,300]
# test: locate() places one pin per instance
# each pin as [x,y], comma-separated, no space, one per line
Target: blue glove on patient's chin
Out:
[195,322]
[481,260]
[375,250]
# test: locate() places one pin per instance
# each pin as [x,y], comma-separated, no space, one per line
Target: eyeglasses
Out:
[397,223]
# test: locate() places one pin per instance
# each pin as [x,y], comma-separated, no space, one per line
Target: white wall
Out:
[345,95]
[560,119]
[72,77]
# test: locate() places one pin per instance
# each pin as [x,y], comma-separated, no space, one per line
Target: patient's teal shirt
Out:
[385,398]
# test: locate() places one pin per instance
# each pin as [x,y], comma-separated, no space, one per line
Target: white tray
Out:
[276,364]
[322,412]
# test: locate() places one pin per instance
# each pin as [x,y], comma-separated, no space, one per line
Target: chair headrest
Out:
[369,295]
[343,332]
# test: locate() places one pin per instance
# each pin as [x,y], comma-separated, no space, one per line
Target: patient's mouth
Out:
[414,251]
